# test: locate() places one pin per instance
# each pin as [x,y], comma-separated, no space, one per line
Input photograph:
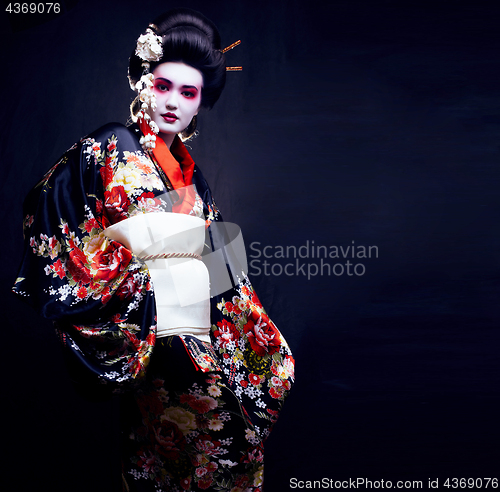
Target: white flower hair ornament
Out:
[148,142]
[149,48]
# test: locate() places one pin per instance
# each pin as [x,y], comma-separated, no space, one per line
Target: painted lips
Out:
[169,117]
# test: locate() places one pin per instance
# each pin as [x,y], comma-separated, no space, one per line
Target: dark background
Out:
[374,122]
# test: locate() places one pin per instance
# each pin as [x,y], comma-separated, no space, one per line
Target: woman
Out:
[120,236]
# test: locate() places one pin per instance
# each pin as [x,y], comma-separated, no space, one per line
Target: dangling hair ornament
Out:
[230,47]
[149,48]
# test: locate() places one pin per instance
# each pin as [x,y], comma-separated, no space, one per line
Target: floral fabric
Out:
[187,430]
[101,298]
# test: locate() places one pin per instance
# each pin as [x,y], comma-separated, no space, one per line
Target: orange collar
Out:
[178,166]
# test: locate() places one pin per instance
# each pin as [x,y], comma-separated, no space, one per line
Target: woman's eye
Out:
[188,94]
[162,87]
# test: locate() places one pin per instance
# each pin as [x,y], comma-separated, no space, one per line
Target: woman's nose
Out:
[172,101]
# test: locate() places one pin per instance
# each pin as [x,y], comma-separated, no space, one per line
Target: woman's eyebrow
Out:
[184,86]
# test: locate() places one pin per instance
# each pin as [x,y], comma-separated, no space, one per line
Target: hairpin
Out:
[230,47]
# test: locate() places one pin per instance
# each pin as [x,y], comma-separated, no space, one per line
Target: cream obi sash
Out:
[181,284]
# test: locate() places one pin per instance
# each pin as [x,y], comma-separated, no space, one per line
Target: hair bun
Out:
[187,18]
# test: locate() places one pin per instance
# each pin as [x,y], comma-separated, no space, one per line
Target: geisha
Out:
[126,251]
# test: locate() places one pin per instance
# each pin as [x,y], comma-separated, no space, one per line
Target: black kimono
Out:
[196,413]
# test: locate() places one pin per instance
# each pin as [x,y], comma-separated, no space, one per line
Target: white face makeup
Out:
[178,96]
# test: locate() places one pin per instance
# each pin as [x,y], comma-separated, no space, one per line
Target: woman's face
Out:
[178,96]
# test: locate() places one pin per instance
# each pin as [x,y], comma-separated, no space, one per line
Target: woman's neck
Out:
[168,138]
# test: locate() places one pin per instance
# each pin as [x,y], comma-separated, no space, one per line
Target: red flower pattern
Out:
[206,445]
[186,483]
[226,332]
[202,404]
[106,175]
[81,292]
[128,287]
[111,262]
[276,393]
[76,265]
[170,440]
[58,267]
[205,482]
[255,379]
[147,460]
[91,224]
[116,203]
[262,335]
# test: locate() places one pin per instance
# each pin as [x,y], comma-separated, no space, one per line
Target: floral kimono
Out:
[195,413]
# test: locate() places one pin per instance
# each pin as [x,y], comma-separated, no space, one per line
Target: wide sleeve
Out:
[95,290]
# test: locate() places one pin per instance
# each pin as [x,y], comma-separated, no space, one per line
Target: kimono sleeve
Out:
[95,290]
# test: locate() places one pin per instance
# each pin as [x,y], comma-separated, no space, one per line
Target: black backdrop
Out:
[366,123]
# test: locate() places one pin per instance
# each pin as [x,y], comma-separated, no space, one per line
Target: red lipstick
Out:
[169,117]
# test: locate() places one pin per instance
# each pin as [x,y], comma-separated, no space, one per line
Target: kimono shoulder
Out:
[126,136]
